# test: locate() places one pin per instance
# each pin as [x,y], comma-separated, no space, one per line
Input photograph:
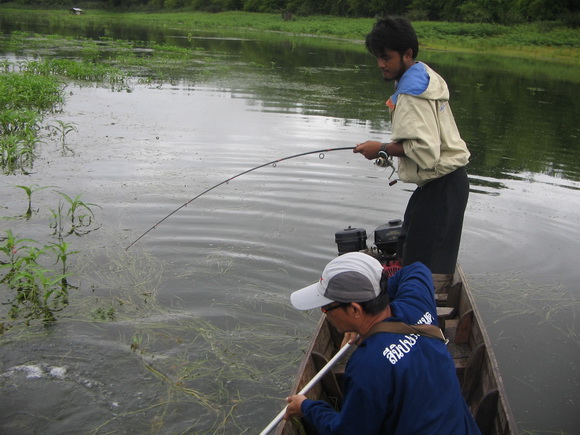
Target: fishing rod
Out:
[272,163]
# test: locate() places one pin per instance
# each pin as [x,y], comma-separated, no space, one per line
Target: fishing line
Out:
[272,163]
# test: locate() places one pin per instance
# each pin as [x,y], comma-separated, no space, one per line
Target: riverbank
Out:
[549,41]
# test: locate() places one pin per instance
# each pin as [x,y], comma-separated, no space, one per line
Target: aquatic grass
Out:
[222,363]
[17,152]
[109,60]
[28,91]
[124,284]
[76,70]
[38,291]
[457,36]
[62,253]
[516,297]
[36,274]
[203,363]
[24,99]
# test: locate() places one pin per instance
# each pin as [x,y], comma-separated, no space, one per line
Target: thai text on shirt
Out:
[396,351]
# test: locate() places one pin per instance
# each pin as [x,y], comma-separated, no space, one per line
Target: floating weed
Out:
[110,61]
[203,363]
[513,296]
[210,376]
[83,70]
[104,314]
[124,284]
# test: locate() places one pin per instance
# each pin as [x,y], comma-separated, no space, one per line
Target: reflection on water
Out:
[191,329]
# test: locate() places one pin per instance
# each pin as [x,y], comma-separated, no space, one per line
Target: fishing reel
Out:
[386,161]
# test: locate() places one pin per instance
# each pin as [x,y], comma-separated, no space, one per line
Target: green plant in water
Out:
[62,254]
[79,215]
[29,190]
[18,137]
[63,129]
[38,291]
[9,247]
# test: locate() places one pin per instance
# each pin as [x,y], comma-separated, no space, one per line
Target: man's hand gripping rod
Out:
[308,386]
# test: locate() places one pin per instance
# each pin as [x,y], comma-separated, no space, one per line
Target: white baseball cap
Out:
[351,277]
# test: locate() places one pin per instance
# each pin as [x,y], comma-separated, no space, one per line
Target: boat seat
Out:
[443,314]
[441,299]
[329,383]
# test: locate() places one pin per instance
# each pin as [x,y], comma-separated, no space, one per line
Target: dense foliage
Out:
[481,11]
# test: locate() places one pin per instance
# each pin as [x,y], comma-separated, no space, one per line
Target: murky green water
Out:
[190,331]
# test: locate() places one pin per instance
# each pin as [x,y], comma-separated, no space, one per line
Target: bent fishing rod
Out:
[272,163]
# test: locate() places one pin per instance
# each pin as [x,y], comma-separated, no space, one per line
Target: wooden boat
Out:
[469,344]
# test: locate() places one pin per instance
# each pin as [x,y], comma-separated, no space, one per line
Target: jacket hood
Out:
[422,82]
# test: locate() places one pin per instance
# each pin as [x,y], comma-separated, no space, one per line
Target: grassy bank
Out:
[550,41]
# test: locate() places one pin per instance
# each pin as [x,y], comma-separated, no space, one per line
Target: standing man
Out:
[430,150]
[395,382]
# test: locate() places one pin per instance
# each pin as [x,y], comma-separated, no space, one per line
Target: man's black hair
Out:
[378,304]
[392,34]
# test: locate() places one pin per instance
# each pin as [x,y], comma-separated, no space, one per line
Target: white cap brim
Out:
[309,297]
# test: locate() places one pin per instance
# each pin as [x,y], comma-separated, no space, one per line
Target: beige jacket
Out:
[431,140]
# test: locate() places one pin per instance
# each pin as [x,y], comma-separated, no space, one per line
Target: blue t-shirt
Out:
[399,383]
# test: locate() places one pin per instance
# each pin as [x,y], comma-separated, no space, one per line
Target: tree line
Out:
[472,11]
[489,11]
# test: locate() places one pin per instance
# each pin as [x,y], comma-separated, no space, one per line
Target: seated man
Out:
[403,383]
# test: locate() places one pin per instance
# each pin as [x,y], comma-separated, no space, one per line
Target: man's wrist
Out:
[384,148]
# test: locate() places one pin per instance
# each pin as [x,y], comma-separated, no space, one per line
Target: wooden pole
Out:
[308,386]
